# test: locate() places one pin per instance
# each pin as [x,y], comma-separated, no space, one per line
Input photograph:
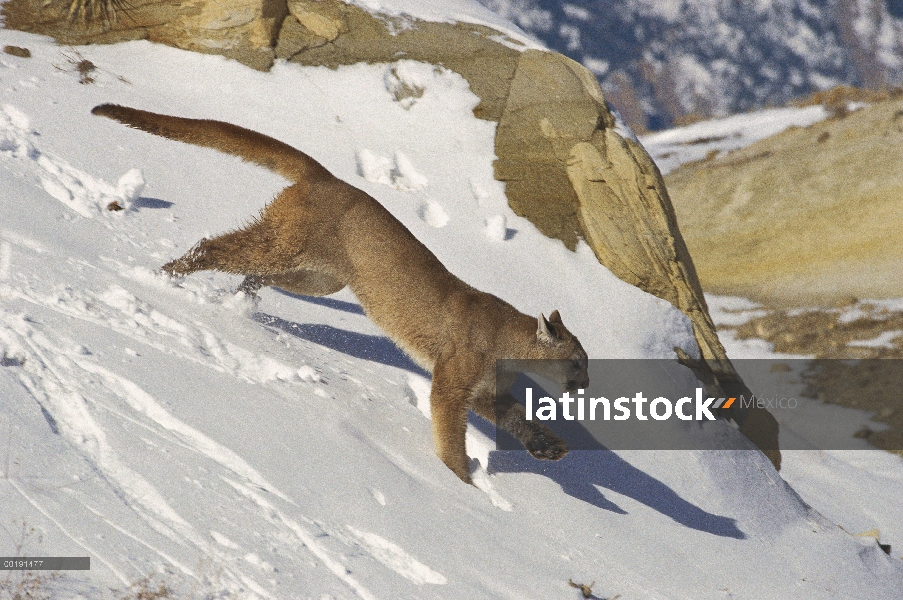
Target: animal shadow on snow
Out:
[582,472]
[375,348]
[151,203]
[579,473]
[349,307]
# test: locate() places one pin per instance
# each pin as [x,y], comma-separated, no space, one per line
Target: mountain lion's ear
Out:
[555,318]
[543,332]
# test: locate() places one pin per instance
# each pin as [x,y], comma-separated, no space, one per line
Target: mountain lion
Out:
[321,234]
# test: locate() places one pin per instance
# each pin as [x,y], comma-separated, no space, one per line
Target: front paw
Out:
[545,445]
[172,268]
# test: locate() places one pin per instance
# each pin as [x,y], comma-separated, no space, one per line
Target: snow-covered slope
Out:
[281,449]
[705,139]
[714,58]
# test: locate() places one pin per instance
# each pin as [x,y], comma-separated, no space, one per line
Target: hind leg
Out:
[274,244]
[250,251]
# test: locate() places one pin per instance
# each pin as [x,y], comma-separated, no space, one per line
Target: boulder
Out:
[569,169]
[553,104]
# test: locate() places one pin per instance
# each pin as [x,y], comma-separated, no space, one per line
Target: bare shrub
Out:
[25,585]
[147,589]
[92,12]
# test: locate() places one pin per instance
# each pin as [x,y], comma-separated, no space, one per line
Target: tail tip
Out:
[105,110]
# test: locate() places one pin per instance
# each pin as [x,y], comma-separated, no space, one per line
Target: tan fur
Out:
[321,234]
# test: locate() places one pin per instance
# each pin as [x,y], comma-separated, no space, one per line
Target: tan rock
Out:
[556,122]
[805,218]
[322,21]
[549,109]
[245,30]
[573,176]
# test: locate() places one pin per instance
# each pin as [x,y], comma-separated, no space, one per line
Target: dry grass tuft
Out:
[146,589]
[81,65]
[87,71]
[586,590]
[93,12]
[27,586]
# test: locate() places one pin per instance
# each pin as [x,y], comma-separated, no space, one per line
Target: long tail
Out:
[249,145]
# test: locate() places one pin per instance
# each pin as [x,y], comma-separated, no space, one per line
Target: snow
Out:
[597,66]
[496,228]
[281,447]
[451,11]
[884,340]
[76,189]
[877,309]
[398,173]
[674,147]
[396,559]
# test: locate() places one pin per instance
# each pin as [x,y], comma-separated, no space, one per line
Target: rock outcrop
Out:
[245,30]
[553,104]
[570,172]
[566,167]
